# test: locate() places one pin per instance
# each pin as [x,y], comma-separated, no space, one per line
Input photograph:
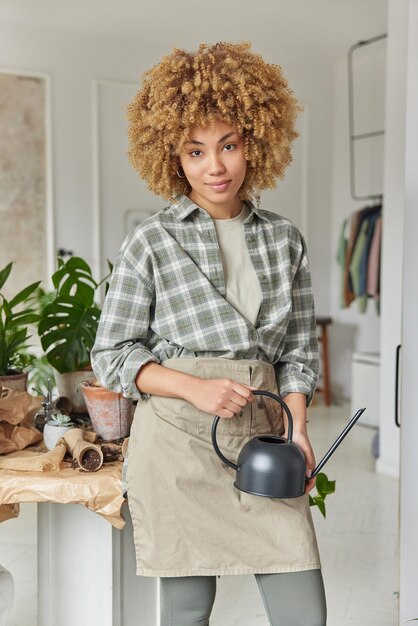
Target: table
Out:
[86,559]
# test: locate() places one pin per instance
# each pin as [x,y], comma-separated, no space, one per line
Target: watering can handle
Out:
[257,392]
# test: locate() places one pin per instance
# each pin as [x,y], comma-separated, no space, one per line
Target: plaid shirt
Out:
[167,299]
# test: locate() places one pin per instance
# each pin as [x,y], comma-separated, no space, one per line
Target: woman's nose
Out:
[216,165]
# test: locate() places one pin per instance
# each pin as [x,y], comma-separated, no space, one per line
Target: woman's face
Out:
[214,164]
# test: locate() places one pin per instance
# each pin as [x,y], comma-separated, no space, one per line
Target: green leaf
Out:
[4,274]
[324,486]
[23,295]
[8,311]
[23,318]
[74,278]
[67,330]
[319,502]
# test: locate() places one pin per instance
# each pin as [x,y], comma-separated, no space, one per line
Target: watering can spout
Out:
[337,442]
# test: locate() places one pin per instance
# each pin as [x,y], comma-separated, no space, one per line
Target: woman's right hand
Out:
[219,396]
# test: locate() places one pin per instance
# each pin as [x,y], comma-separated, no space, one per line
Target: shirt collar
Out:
[182,207]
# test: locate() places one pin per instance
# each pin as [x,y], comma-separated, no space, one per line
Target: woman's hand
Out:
[219,396]
[302,439]
[297,405]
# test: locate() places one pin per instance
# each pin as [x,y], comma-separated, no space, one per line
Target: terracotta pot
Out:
[69,386]
[18,382]
[110,413]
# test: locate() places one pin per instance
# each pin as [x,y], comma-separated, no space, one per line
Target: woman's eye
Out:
[229,146]
[195,153]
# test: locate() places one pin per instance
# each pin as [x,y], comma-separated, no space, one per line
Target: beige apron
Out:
[188,518]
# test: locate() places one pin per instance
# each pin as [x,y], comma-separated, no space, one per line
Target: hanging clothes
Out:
[373,267]
[355,243]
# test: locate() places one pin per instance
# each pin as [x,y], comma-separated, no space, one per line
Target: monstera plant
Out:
[16,314]
[68,324]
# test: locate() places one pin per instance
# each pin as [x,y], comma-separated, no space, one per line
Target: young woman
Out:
[211,299]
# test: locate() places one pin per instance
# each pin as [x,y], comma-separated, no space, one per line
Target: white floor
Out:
[358,542]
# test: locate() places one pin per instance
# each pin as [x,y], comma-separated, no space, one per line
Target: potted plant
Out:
[68,326]
[15,316]
[55,427]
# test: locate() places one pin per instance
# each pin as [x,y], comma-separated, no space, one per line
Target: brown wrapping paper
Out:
[100,491]
[17,409]
[81,450]
[8,511]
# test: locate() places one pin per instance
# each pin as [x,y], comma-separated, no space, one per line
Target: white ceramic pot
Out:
[53,433]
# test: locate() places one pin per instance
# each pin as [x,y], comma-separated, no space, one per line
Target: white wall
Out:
[73,61]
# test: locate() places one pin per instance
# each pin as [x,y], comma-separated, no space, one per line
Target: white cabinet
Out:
[365,381]
[86,571]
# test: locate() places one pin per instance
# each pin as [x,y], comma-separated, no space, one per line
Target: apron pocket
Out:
[267,414]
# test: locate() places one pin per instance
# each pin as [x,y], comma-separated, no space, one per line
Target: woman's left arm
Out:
[297,368]
[297,405]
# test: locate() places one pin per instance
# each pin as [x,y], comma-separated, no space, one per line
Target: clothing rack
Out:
[358,137]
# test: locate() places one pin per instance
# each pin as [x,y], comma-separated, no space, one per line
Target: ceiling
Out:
[324,28]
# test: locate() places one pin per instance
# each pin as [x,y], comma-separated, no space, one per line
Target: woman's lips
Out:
[220,186]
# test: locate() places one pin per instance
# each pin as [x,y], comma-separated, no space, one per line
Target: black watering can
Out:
[273,466]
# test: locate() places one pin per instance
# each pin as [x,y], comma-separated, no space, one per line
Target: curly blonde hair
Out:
[224,82]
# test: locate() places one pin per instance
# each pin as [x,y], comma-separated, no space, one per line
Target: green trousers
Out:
[294,599]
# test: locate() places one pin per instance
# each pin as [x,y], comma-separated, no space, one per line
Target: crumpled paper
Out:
[100,491]
[8,511]
[17,409]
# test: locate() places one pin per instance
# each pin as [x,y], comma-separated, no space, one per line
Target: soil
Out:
[91,461]
[111,452]
[91,382]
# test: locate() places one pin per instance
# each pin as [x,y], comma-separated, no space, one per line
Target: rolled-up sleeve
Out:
[120,348]
[297,368]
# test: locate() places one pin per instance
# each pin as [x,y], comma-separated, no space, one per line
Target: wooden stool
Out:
[325,389]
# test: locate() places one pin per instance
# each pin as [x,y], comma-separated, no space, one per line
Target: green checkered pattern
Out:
[167,299]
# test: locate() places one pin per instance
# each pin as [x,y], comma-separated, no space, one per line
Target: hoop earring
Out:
[257,200]
[180,173]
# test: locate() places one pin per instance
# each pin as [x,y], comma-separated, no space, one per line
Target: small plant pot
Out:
[110,413]
[53,433]
[17,382]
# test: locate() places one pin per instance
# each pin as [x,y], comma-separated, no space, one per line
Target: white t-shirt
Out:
[243,289]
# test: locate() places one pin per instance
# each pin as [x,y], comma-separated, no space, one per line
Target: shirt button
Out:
[254,334]
[251,239]
[263,276]
[263,317]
